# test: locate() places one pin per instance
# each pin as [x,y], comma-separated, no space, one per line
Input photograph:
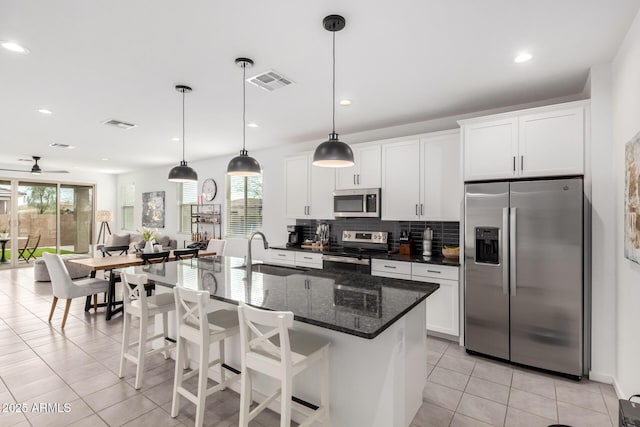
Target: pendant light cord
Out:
[333,100]
[183,125]
[244,105]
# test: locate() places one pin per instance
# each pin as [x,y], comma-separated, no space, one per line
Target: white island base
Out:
[373,382]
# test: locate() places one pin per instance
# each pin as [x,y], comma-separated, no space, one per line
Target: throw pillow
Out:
[119,240]
[164,241]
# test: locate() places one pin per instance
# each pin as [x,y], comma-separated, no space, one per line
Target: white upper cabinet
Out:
[552,143]
[441,177]
[490,149]
[545,141]
[308,189]
[421,179]
[400,193]
[366,171]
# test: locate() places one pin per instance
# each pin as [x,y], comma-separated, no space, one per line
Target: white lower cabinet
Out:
[282,257]
[393,269]
[443,305]
[308,259]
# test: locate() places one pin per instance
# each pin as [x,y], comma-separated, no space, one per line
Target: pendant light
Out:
[182,172]
[243,164]
[333,153]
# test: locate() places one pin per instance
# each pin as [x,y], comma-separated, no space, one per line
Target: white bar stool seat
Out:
[200,328]
[138,304]
[281,354]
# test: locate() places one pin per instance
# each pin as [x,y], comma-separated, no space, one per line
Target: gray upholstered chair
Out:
[64,287]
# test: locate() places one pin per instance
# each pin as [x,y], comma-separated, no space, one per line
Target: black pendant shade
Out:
[182,172]
[333,153]
[243,164]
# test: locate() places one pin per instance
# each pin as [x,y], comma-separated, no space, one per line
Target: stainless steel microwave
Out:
[362,202]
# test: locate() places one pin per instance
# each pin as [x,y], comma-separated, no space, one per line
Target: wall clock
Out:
[209,189]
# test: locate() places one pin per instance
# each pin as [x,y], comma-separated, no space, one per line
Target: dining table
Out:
[109,263]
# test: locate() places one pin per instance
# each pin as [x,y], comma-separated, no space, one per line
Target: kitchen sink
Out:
[274,270]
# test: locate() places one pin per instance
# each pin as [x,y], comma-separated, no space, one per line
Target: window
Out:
[244,205]
[128,201]
[187,194]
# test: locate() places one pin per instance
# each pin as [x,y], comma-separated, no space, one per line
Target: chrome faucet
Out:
[266,246]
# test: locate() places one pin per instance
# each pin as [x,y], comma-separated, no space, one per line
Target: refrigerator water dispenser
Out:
[487,245]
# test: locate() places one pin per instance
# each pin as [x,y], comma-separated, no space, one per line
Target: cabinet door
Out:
[401,180]
[552,143]
[443,306]
[346,177]
[490,149]
[321,187]
[296,186]
[369,160]
[441,178]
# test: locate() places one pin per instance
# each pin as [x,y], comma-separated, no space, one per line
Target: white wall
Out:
[626,123]
[603,215]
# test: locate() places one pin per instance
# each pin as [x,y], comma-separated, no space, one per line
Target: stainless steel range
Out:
[355,253]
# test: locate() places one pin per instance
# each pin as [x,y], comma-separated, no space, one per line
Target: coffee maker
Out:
[295,235]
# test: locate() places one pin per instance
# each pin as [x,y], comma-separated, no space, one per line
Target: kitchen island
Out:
[376,326]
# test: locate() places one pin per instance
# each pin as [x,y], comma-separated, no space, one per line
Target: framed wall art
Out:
[153,209]
[632,200]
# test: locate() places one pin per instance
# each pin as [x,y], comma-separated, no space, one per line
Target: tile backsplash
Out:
[444,233]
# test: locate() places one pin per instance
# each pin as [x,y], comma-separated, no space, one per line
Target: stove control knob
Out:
[348,235]
[375,236]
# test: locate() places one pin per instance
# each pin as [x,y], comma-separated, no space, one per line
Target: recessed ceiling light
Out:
[175,139]
[522,57]
[253,125]
[45,111]
[14,47]
[104,159]
[345,102]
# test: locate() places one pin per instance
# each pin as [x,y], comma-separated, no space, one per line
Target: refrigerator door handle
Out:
[504,243]
[512,249]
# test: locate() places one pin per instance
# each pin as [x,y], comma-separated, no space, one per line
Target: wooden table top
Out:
[121,261]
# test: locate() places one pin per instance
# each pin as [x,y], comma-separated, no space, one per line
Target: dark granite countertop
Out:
[353,303]
[437,260]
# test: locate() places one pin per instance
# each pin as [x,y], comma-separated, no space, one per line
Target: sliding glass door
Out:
[76,218]
[5,223]
[37,220]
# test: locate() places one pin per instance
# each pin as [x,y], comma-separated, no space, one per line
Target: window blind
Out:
[127,192]
[188,194]
[244,205]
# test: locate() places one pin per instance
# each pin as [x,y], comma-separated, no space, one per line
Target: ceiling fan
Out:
[35,169]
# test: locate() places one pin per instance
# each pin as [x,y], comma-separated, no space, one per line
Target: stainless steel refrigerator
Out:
[524,272]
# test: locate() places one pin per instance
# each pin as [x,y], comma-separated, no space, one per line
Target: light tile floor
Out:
[40,364]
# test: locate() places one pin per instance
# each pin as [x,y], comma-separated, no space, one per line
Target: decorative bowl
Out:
[451,252]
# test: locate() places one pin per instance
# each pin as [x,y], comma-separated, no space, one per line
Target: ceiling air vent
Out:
[270,80]
[119,124]
[58,145]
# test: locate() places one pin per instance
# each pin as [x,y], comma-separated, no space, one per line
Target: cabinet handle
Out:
[390,266]
[358,179]
[421,209]
[281,255]
[514,163]
[416,209]
[354,179]
[307,257]
[308,210]
[521,163]
[434,271]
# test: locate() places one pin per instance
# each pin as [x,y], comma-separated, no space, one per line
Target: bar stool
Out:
[281,354]
[200,328]
[137,303]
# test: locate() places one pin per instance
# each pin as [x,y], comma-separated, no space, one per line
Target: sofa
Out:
[76,271]
[136,242]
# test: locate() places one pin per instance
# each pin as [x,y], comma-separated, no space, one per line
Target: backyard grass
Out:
[38,252]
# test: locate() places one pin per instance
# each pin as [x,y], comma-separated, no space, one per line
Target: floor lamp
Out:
[104,217]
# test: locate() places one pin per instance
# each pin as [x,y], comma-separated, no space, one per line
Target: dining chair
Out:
[199,328]
[154,257]
[185,253]
[111,251]
[30,247]
[268,346]
[64,287]
[138,304]
[216,246]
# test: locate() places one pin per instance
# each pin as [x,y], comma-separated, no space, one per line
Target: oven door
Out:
[346,264]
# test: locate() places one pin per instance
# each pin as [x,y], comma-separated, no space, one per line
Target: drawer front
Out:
[434,271]
[307,259]
[391,275]
[394,267]
[282,257]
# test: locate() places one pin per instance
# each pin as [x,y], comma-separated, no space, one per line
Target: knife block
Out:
[405,247]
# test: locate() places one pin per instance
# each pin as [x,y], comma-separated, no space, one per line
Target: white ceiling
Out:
[399,61]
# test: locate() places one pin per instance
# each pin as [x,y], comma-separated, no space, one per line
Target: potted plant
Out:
[4,233]
[149,237]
